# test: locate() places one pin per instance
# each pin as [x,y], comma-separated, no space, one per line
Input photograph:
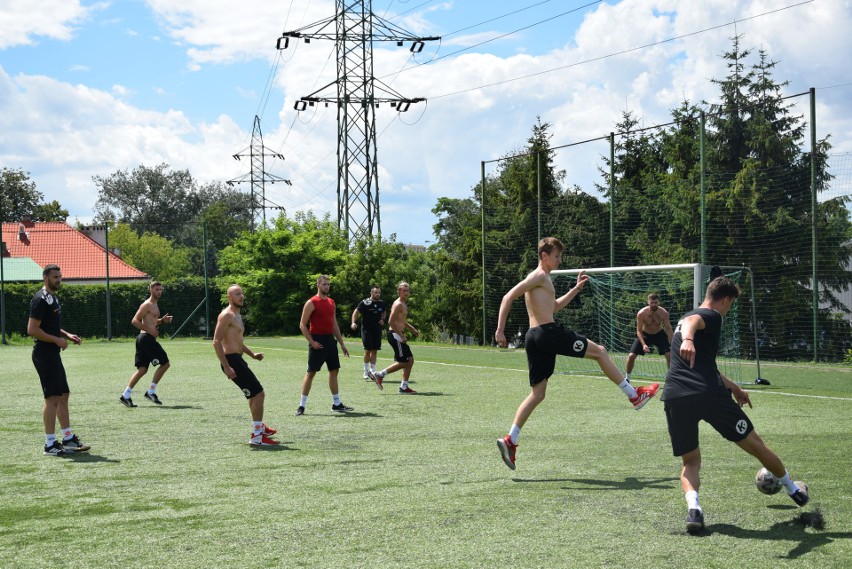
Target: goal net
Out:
[605,312]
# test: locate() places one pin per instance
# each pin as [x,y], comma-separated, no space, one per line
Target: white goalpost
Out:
[606,310]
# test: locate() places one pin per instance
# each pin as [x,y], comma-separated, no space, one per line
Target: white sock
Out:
[66,433]
[257,428]
[49,439]
[788,483]
[692,500]
[372,367]
[153,388]
[383,373]
[367,367]
[514,433]
[127,393]
[627,377]
[403,384]
[628,389]
[303,401]
[335,397]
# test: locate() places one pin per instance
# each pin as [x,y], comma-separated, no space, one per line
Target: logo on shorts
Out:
[155,362]
[246,392]
[741,427]
[578,346]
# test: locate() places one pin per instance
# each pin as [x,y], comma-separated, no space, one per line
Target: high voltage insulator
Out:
[354,28]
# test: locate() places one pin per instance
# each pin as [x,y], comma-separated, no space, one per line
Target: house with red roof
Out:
[82,260]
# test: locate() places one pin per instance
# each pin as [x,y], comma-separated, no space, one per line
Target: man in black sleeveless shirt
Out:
[695,390]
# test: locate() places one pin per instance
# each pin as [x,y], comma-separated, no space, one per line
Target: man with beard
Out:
[652,329]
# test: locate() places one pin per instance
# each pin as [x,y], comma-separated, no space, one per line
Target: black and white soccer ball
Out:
[766,482]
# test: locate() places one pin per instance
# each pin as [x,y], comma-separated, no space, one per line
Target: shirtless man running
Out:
[230,347]
[545,339]
[652,328]
[148,350]
[397,326]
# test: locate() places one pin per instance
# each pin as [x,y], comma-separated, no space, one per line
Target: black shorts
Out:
[371,338]
[326,355]
[720,411]
[245,379]
[50,370]
[149,351]
[543,343]
[401,351]
[660,340]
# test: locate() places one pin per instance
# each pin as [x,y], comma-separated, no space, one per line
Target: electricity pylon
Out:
[258,176]
[354,28]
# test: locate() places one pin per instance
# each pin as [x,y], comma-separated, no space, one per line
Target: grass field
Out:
[405,481]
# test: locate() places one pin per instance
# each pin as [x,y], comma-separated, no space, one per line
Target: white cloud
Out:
[66,133]
[21,23]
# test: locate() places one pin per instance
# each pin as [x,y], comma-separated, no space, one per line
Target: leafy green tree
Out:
[19,198]
[277,268]
[149,252]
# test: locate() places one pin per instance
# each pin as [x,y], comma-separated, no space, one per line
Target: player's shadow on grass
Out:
[392,387]
[272,448]
[88,457]
[791,530]
[629,483]
[356,414]
[173,407]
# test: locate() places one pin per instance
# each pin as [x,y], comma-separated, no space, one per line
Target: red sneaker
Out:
[375,376]
[262,441]
[406,391]
[268,431]
[644,394]
[507,451]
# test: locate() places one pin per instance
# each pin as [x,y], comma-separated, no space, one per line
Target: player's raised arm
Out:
[534,279]
[563,300]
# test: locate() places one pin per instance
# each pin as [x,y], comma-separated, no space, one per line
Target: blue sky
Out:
[91,87]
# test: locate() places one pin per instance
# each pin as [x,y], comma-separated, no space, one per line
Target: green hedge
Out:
[84,307]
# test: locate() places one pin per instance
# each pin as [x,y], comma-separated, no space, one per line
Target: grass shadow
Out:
[629,483]
[88,457]
[790,530]
[357,415]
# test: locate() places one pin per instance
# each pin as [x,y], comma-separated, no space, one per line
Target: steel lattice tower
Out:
[354,28]
[258,176]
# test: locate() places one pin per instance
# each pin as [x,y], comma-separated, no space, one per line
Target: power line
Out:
[614,54]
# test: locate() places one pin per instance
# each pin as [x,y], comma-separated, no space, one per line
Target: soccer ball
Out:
[766,482]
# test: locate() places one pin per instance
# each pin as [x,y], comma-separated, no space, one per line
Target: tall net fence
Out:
[761,220]
[106,276]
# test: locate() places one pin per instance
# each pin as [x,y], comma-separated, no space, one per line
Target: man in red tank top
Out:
[320,329]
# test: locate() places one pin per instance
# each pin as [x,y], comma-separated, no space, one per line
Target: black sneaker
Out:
[74,445]
[128,402]
[300,411]
[153,398]
[801,496]
[54,450]
[761,381]
[694,521]
[341,408]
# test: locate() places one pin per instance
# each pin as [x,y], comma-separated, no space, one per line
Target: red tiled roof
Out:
[56,242]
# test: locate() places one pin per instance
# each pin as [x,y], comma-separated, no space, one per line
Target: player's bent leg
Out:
[755,446]
[599,354]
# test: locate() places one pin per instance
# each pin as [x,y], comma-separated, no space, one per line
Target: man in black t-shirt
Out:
[696,390]
[45,326]
[373,310]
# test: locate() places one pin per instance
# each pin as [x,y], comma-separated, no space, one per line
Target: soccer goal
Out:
[605,311]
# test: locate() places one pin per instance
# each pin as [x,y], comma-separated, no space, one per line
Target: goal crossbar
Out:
[696,268]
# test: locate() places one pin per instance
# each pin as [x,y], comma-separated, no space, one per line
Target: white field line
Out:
[760,391]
